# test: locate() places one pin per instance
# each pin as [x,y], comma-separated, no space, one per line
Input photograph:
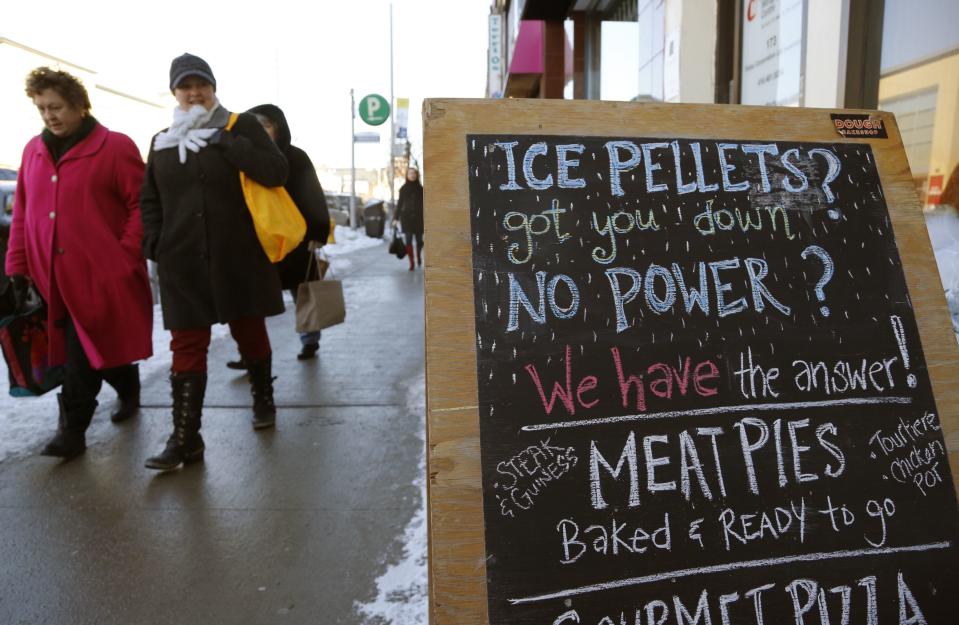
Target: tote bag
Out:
[24,342]
[397,248]
[319,303]
[279,225]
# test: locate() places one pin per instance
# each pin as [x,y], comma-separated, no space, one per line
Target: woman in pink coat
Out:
[76,236]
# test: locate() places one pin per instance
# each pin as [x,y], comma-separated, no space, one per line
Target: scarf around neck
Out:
[190,129]
[58,146]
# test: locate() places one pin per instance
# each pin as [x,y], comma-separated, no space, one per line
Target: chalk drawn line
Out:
[698,412]
[732,566]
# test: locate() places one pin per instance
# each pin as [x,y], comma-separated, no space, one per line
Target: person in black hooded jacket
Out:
[409,212]
[305,190]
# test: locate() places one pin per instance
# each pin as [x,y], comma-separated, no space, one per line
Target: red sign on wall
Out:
[935,190]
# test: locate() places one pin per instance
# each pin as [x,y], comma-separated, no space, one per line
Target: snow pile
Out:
[943,229]
[401,591]
[348,240]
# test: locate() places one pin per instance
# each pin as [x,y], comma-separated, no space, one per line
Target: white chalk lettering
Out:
[627,457]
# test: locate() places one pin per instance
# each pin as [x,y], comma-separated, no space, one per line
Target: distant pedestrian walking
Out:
[307,193]
[409,211]
[210,264]
[76,235]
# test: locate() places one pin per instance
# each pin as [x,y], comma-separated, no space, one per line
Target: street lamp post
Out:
[392,140]
[352,161]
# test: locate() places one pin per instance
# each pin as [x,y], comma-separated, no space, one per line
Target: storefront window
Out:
[772,51]
[915,113]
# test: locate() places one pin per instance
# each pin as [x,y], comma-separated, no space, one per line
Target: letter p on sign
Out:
[374,109]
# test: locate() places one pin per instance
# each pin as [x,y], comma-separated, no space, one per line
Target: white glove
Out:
[194,140]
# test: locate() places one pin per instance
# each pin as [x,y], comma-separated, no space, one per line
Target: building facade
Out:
[897,55]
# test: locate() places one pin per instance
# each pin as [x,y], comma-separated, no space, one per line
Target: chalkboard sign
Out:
[702,393]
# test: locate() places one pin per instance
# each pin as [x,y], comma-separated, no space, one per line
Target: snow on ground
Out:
[401,591]
[27,423]
[348,240]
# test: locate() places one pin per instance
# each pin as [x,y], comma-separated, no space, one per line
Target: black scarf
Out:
[58,146]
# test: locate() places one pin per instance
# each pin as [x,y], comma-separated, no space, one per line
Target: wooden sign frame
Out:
[457,552]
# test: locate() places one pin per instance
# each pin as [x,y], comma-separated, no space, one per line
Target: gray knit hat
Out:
[190,65]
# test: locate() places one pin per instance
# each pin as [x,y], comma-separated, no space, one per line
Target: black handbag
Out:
[24,342]
[397,248]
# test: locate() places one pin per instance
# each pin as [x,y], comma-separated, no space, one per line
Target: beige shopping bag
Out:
[319,303]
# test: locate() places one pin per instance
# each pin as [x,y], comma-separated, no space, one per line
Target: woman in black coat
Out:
[409,211]
[211,266]
[305,190]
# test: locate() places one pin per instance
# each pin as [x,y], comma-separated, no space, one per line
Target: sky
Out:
[304,57]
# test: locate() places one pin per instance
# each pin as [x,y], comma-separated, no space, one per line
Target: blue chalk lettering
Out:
[700,177]
[759,150]
[795,171]
[537,149]
[564,163]
[573,308]
[652,167]
[507,147]
[517,296]
[757,269]
[657,304]
[617,166]
[726,168]
[681,187]
[834,168]
[693,297]
[618,298]
[722,288]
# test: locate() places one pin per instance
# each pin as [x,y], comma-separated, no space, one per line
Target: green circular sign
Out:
[374,109]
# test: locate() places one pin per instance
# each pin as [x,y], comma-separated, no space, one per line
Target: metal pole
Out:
[392,116]
[352,161]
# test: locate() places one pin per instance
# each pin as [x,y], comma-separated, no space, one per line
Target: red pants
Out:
[190,347]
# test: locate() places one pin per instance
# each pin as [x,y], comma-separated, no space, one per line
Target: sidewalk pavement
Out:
[318,521]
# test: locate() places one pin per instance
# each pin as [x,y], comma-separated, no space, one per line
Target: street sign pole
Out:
[352,161]
[392,141]
[374,110]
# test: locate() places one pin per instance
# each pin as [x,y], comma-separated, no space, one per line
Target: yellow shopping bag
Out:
[279,225]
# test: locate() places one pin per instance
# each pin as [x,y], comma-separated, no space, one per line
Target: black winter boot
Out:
[70,440]
[128,397]
[261,384]
[237,365]
[308,351]
[185,445]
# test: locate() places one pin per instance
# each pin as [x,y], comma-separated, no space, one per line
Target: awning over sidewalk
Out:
[528,63]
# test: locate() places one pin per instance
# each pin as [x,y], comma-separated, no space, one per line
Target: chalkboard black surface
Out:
[702,393]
